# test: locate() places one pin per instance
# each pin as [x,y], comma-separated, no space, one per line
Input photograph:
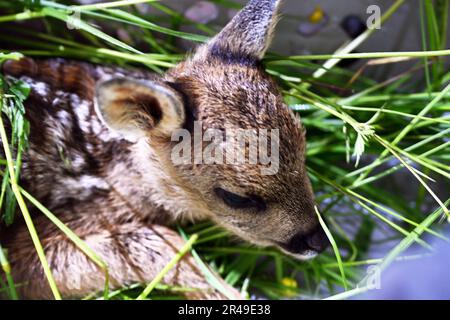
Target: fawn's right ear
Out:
[139,108]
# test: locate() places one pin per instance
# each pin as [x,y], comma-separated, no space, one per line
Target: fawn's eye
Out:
[236,201]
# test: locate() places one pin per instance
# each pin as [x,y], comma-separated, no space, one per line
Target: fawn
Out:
[99,157]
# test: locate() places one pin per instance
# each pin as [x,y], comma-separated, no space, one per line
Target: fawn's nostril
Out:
[318,240]
[315,241]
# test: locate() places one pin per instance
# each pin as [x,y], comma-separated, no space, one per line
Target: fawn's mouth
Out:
[303,256]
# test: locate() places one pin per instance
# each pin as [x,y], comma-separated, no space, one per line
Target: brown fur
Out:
[99,158]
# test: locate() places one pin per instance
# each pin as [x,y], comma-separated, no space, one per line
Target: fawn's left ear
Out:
[248,34]
[138,108]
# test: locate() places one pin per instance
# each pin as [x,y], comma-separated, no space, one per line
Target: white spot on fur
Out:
[89,182]
[104,74]
[89,121]
[80,188]
[65,118]
[41,88]
[77,162]
[82,110]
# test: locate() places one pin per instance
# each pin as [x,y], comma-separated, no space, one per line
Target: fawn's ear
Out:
[138,108]
[248,34]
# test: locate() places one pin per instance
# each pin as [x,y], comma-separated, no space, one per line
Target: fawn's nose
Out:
[308,245]
[318,240]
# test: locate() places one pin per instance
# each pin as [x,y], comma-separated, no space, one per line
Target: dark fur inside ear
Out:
[190,109]
[143,108]
[248,35]
[137,108]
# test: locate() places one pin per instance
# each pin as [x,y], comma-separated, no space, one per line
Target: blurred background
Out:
[313,26]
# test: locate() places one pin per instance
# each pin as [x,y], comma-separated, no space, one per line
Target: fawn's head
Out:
[224,87]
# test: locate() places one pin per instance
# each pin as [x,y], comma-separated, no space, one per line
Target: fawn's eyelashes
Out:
[236,201]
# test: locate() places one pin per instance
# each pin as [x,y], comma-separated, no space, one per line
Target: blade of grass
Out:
[372,55]
[112,4]
[149,288]
[72,236]
[391,150]
[7,270]
[209,276]
[25,213]
[63,16]
[403,245]
[335,248]
[356,42]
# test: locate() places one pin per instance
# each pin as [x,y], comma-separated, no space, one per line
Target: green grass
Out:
[361,134]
